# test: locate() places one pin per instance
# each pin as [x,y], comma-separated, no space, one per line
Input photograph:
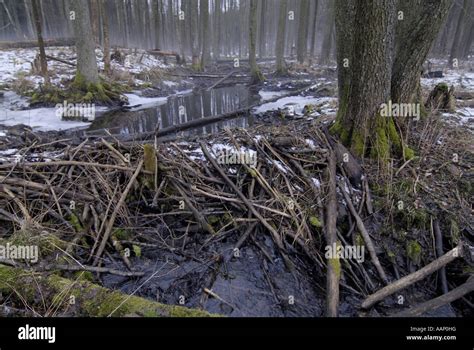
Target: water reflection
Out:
[180,109]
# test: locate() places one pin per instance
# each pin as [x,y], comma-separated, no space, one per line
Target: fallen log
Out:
[34,43]
[435,303]
[413,277]
[90,300]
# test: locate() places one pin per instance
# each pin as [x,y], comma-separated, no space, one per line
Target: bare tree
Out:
[86,61]
[36,7]
[255,71]
[280,41]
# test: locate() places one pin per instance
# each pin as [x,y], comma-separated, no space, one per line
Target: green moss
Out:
[137,250]
[408,153]
[315,222]
[74,220]
[336,265]
[84,276]
[455,232]
[358,144]
[213,220]
[414,251]
[122,234]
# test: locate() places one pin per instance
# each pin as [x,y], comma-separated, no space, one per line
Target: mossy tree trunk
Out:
[86,61]
[254,70]
[416,32]
[365,75]
[280,41]
[90,300]
[376,66]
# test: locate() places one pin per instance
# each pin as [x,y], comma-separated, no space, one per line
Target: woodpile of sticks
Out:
[180,196]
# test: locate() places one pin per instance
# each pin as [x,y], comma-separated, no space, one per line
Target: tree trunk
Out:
[302,31]
[36,7]
[204,8]
[415,36]
[359,123]
[105,32]
[454,55]
[327,38]
[313,33]
[280,41]
[254,70]
[86,61]
[262,38]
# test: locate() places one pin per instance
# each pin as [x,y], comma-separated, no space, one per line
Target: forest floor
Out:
[228,238]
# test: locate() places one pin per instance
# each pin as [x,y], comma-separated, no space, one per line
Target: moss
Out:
[315,222]
[336,265]
[213,220]
[137,250]
[121,234]
[358,144]
[408,153]
[74,220]
[84,276]
[455,232]
[414,251]
[359,240]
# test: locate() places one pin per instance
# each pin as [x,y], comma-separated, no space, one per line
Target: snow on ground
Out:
[16,63]
[268,95]
[297,102]
[41,119]
[460,79]
[13,112]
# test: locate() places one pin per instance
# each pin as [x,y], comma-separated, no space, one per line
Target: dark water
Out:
[179,109]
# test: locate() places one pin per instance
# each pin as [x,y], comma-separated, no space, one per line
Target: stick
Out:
[60,60]
[439,252]
[435,303]
[413,277]
[220,81]
[110,224]
[333,264]
[273,231]
[365,235]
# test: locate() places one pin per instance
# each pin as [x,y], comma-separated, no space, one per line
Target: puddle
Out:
[148,113]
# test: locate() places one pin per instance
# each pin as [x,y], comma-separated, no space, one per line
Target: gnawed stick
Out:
[276,236]
[333,263]
[110,224]
[365,235]
[413,277]
[435,303]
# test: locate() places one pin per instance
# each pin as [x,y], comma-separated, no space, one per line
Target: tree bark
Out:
[280,41]
[358,122]
[302,31]
[415,36]
[86,61]
[254,70]
[36,7]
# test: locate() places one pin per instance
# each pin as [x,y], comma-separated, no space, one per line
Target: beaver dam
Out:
[237,223]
